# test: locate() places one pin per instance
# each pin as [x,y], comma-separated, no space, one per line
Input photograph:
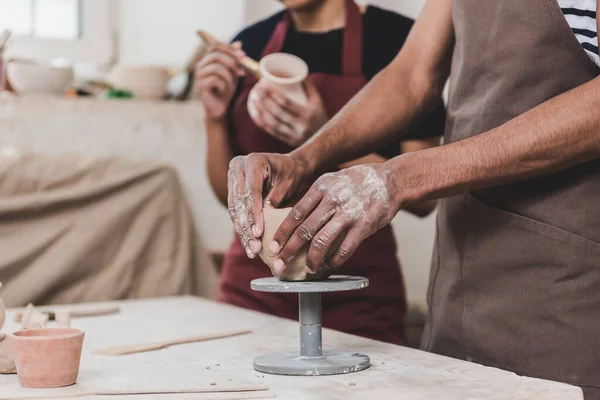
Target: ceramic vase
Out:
[47,357]
[285,72]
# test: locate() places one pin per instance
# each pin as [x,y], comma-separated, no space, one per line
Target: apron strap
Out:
[352,51]
[352,57]
[277,39]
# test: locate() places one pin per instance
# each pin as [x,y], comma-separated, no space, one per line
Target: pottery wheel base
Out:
[332,362]
[311,359]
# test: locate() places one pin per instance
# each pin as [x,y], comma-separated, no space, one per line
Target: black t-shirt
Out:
[384,34]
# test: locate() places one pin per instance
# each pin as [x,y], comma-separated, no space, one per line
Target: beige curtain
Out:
[79,229]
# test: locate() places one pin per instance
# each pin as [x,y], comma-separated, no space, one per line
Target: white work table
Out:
[396,372]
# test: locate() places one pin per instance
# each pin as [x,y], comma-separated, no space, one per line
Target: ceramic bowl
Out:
[144,82]
[47,357]
[39,77]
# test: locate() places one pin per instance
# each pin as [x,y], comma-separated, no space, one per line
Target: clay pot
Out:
[47,357]
[286,72]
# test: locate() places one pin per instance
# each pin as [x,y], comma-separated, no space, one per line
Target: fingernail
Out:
[274,246]
[249,253]
[256,231]
[255,246]
[279,265]
[310,271]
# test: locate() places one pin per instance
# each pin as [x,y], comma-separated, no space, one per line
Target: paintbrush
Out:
[248,63]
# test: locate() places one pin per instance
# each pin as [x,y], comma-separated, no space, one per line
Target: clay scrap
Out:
[7,355]
[80,312]
[33,319]
[296,270]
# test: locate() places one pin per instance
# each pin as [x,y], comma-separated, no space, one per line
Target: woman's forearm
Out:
[219,154]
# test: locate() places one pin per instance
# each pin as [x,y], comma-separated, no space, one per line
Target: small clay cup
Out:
[47,357]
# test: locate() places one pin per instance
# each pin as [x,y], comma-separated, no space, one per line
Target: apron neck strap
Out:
[352,42]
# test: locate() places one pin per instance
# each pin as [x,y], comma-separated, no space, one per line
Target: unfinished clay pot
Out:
[296,270]
[47,357]
[285,72]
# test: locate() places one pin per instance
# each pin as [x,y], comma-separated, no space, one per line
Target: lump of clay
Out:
[296,270]
[7,356]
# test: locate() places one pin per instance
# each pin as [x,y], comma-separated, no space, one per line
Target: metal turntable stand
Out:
[311,360]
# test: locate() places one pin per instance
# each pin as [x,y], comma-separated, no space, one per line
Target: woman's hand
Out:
[283,118]
[217,75]
[349,205]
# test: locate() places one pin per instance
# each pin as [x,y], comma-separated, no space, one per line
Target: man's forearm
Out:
[389,104]
[558,134]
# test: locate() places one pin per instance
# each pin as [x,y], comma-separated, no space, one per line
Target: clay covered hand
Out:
[285,119]
[338,213]
[217,75]
[258,178]
[295,270]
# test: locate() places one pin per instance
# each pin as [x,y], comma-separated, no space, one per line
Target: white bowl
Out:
[144,82]
[39,77]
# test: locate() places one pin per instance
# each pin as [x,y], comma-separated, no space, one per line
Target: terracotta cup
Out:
[47,357]
[286,72]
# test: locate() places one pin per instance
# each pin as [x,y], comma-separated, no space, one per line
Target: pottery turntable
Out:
[311,359]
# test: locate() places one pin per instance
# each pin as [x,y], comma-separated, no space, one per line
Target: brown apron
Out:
[515,279]
[377,311]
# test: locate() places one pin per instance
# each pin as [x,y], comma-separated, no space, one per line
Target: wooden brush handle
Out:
[248,63]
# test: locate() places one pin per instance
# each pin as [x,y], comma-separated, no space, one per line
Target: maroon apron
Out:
[515,279]
[377,312]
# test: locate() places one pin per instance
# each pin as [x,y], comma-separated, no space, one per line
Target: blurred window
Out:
[57,19]
[78,30]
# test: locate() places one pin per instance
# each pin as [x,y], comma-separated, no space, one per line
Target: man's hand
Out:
[279,177]
[349,205]
[282,117]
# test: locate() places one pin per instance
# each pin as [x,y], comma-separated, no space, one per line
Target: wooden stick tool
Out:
[144,347]
[248,63]
[75,313]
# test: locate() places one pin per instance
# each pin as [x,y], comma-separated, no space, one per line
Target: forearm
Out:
[558,134]
[219,154]
[372,119]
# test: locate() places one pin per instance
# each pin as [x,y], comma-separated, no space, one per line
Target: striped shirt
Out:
[581,16]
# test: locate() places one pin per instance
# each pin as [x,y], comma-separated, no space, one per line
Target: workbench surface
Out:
[396,372]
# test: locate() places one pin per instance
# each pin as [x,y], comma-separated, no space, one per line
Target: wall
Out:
[163,32]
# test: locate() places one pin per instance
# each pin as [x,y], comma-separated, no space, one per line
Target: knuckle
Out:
[345,251]
[236,162]
[232,212]
[304,233]
[320,243]
[296,214]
